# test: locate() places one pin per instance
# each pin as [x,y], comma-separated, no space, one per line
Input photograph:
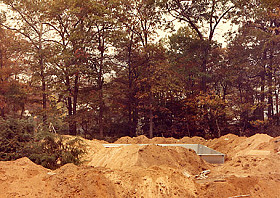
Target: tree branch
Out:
[22,33]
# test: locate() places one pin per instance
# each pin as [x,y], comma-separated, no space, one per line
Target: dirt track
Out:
[252,169]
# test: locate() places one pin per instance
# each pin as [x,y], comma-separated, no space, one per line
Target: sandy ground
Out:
[251,169]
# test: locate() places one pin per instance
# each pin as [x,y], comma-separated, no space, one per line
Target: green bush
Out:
[14,135]
[52,151]
[17,139]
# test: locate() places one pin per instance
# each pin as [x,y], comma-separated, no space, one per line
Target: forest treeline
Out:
[99,68]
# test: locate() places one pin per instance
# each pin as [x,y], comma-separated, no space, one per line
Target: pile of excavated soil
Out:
[135,140]
[250,170]
[233,145]
[255,155]
[160,140]
[132,156]
[225,144]
[92,147]
[193,140]
[251,165]
[155,181]
[273,145]
[251,144]
[22,178]
[232,186]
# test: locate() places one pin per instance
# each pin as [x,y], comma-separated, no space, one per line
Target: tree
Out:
[105,26]
[256,46]
[185,54]
[142,20]
[65,19]
[201,16]
[29,18]
[13,95]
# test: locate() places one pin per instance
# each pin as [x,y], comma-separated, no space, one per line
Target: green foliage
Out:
[17,139]
[52,151]
[14,135]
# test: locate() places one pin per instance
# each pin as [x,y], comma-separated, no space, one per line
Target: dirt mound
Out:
[16,177]
[135,140]
[101,141]
[156,181]
[92,148]
[162,140]
[124,140]
[273,145]
[22,178]
[251,144]
[21,168]
[233,146]
[142,139]
[226,144]
[147,156]
[251,169]
[193,140]
[251,165]
[73,181]
[251,186]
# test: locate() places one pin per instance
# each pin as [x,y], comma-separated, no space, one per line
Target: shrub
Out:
[14,135]
[17,139]
[52,150]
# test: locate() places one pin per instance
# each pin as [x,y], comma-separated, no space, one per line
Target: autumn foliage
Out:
[97,68]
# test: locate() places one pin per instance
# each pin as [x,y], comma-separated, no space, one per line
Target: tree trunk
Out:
[132,128]
[204,66]
[70,107]
[101,111]
[135,116]
[42,73]
[75,101]
[75,96]
[44,95]
[150,99]
[262,93]
[1,66]
[1,62]
[151,133]
[100,93]
[2,111]
[218,127]
[203,78]
[224,91]
[277,107]
[269,78]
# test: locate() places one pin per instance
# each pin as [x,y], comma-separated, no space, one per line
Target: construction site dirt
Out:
[251,169]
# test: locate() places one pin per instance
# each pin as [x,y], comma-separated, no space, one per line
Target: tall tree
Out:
[27,20]
[103,24]
[12,92]
[66,20]
[143,19]
[201,16]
